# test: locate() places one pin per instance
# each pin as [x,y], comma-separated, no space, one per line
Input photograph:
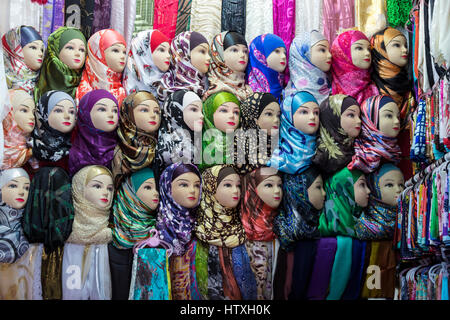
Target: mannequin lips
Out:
[77,60]
[31,124]
[20,199]
[155,200]
[405,56]
[396,128]
[231,123]
[275,127]
[152,123]
[235,198]
[242,62]
[277,198]
[66,123]
[122,63]
[104,200]
[312,124]
[367,60]
[39,60]
[111,122]
[357,128]
[167,62]
[282,63]
[329,62]
[191,198]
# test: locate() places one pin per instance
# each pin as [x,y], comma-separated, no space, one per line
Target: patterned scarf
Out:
[97,74]
[233,15]
[372,145]
[348,79]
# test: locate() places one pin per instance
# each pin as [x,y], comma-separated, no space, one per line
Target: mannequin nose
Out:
[21,192]
[396,121]
[201,116]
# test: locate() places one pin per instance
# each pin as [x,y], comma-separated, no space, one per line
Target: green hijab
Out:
[55,75]
[340,212]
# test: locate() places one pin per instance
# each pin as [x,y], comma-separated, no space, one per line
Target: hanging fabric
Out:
[206,17]
[183,16]
[337,15]
[165,17]
[233,16]
[370,16]
[102,15]
[308,16]
[258,18]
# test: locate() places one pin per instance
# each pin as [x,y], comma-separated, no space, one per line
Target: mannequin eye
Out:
[197,185]
[223,110]
[69,48]
[12,186]
[389,185]
[115,110]
[303,111]
[245,51]
[316,112]
[236,112]
[268,185]
[27,188]
[227,185]
[269,114]
[58,110]
[96,186]
[388,115]
[156,111]
[193,109]
[358,48]
[148,188]
[110,189]
[72,111]
[24,110]
[82,49]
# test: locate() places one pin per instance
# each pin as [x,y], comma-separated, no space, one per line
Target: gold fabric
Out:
[51,274]
[370,16]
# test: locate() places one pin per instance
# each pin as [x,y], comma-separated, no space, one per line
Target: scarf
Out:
[221,77]
[13,243]
[18,74]
[141,72]
[348,79]
[181,74]
[258,21]
[183,16]
[80,14]
[91,145]
[90,225]
[296,149]
[50,144]
[55,75]
[206,17]
[97,74]
[215,224]
[175,223]
[337,15]
[298,219]
[165,18]
[102,15]
[48,215]
[334,146]
[260,77]
[372,145]
[305,76]
[233,15]
[340,212]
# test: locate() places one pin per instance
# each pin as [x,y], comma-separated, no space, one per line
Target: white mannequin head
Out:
[33,54]
[161,56]
[227,116]
[15,190]
[391,185]
[269,119]
[23,107]
[389,119]
[316,193]
[361,56]
[306,117]
[228,191]
[361,191]
[115,57]
[351,121]
[104,115]
[397,51]
[73,54]
[63,116]
[277,59]
[99,190]
[321,56]
[148,193]
[200,57]
[270,190]
[186,190]
[147,115]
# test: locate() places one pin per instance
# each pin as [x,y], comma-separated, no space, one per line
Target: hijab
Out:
[372,145]
[91,145]
[347,78]
[220,76]
[90,225]
[50,144]
[215,224]
[55,75]
[97,74]
[296,149]
[304,75]
[334,146]
[260,77]
[141,73]
[18,74]
[182,74]
[297,218]
[175,223]
[13,243]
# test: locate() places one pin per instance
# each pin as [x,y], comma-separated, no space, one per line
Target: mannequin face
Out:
[306,118]
[351,121]
[316,194]
[227,117]
[200,57]
[361,191]
[269,118]
[389,120]
[228,191]
[270,191]
[73,54]
[193,116]
[115,57]
[63,116]
[33,54]
[391,186]
[23,114]
[361,56]
[105,115]
[161,56]
[99,190]
[15,192]
[277,59]
[236,57]
[186,190]
[397,51]
[148,193]
[147,116]
[321,55]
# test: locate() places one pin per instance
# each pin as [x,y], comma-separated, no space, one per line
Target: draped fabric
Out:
[398,11]
[258,18]
[30,15]
[206,17]
[370,16]
[5,106]
[47,18]
[80,14]
[243,272]
[440,38]
[260,254]
[183,16]
[123,14]
[233,15]
[165,18]
[102,15]
[215,280]
[342,265]
[337,15]
[308,16]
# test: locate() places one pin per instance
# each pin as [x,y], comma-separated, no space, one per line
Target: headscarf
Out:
[340,212]
[48,215]
[175,223]
[18,74]
[334,146]
[220,76]
[347,78]
[372,145]
[91,145]
[13,243]
[141,73]
[97,74]
[90,225]
[260,77]
[182,74]
[176,139]
[298,219]
[55,75]
[296,149]
[215,224]
[304,75]
[256,216]
[136,148]
[50,144]
[133,219]
[378,220]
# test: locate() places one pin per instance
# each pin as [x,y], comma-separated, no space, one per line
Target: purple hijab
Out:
[91,146]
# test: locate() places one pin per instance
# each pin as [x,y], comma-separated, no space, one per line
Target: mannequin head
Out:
[192,111]
[161,56]
[351,117]
[186,189]
[104,115]
[389,117]
[99,190]
[115,57]
[15,185]
[200,58]
[387,184]
[147,115]
[23,109]
[321,56]
[73,52]
[305,112]
[228,191]
[397,51]
[360,51]
[277,59]
[144,184]
[226,117]
[270,190]
[316,193]
[235,54]
[269,118]
[33,54]
[63,116]
[361,191]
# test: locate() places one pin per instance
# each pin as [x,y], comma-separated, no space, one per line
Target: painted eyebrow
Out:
[322,45]
[24,105]
[387,111]
[182,180]
[270,109]
[97,181]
